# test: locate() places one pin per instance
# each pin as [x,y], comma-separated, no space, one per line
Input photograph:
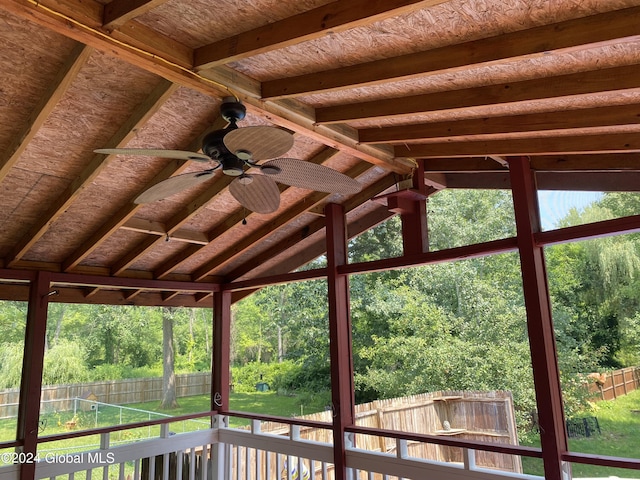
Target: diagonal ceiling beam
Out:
[332,17]
[97,164]
[613,143]
[595,81]
[563,35]
[617,115]
[47,103]
[117,12]
[172,62]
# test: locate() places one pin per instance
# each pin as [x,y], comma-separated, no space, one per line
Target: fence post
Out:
[613,383]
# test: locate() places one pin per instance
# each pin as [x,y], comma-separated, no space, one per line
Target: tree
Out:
[169,398]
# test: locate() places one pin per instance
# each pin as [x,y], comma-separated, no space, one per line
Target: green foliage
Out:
[276,375]
[110,372]
[65,363]
[10,364]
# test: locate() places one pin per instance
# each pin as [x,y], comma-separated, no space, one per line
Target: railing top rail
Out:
[128,426]
[590,459]
[276,419]
[450,442]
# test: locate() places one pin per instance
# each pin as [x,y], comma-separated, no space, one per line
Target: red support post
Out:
[32,365]
[415,238]
[342,394]
[221,379]
[539,322]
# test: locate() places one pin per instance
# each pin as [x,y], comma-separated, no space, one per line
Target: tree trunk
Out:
[169,400]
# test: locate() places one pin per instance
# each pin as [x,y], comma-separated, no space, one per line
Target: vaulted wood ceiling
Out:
[369,88]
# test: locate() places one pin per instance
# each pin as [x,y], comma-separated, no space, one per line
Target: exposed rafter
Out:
[332,17]
[574,33]
[627,77]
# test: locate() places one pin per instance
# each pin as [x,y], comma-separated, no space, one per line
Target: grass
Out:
[268,403]
[620,426]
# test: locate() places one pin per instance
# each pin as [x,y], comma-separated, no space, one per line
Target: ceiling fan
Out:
[236,151]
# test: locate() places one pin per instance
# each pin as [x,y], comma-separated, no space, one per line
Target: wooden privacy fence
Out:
[469,415]
[611,385]
[60,398]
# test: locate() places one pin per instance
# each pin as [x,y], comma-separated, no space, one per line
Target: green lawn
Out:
[620,425]
[268,403]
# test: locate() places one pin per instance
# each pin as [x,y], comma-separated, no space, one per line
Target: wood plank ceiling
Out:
[369,88]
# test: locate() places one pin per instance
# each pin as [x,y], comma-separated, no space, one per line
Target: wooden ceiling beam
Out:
[159,229]
[575,144]
[594,81]
[570,34]
[333,17]
[595,163]
[57,88]
[617,115]
[97,164]
[118,12]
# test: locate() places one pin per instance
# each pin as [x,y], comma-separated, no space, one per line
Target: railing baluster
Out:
[192,464]
[120,472]
[204,461]
[238,459]
[136,470]
[179,462]
[278,466]
[469,458]
[152,468]
[267,465]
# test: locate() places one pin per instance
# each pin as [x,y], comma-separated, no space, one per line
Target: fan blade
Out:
[173,185]
[262,142]
[311,176]
[177,154]
[261,195]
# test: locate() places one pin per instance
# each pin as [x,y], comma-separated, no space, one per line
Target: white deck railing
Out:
[225,453]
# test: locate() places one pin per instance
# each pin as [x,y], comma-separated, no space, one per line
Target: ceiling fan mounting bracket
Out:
[232,110]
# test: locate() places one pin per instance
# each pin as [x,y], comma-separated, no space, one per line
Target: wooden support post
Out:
[415,238]
[221,351]
[32,365]
[539,322]
[342,394]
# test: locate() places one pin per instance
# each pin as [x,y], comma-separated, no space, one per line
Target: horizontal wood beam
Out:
[576,144]
[332,17]
[616,115]
[159,229]
[604,162]
[594,81]
[575,33]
